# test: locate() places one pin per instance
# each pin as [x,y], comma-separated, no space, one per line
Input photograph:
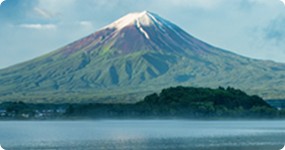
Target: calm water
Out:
[143,135]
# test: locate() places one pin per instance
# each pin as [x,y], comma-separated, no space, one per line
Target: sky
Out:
[31,28]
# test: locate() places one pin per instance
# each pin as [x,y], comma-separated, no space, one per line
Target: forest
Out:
[171,103]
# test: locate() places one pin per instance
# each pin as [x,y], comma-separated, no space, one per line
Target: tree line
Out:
[174,102]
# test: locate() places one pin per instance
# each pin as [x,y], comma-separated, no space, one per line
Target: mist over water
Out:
[142,135]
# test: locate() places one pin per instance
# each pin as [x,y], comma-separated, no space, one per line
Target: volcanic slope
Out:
[138,54]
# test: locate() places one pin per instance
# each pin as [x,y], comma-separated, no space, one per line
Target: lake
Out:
[142,135]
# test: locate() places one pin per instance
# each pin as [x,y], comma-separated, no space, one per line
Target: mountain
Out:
[136,55]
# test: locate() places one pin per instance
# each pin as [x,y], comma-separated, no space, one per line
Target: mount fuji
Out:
[138,54]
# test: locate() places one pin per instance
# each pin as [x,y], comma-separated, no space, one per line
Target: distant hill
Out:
[205,102]
[184,102]
[175,102]
[136,55]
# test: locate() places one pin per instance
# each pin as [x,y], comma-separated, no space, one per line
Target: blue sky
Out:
[253,28]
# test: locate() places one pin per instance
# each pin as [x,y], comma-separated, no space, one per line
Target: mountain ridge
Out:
[136,55]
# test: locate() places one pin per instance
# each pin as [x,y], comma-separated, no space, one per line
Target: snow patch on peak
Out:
[159,24]
[142,30]
[131,19]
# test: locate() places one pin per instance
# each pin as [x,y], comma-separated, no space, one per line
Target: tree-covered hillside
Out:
[205,102]
[175,102]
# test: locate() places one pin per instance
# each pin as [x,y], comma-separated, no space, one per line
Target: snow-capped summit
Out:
[144,18]
[145,31]
[138,19]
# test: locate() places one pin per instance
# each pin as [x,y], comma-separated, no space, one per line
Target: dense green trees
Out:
[174,102]
[205,102]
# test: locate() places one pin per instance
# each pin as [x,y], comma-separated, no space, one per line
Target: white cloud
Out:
[56,6]
[43,13]
[39,26]
[207,4]
[86,24]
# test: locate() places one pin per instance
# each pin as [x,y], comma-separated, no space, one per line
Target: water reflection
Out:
[143,135]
